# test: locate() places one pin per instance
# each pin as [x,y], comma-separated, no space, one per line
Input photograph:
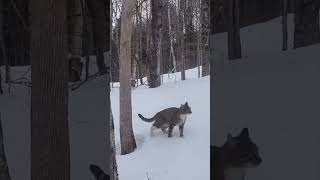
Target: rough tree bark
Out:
[154,61]
[182,10]
[4,169]
[50,149]
[205,38]
[284,25]
[306,21]
[234,43]
[128,143]
[211,33]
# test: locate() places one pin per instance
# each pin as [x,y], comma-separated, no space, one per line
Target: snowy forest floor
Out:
[160,157]
[156,158]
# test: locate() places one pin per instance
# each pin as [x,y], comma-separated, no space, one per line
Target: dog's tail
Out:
[98,173]
[145,119]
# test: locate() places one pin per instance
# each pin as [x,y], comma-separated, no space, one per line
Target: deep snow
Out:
[160,157]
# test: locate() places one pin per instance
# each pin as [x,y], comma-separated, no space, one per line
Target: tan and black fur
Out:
[169,118]
[231,161]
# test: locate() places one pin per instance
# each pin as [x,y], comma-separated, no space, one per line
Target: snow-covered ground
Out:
[87,122]
[160,157]
[276,95]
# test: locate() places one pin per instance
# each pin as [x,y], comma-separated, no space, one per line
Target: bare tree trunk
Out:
[154,62]
[114,166]
[199,37]
[171,43]
[98,11]
[182,39]
[76,28]
[284,25]
[128,143]
[205,38]
[3,47]
[4,169]
[234,43]
[50,149]
[306,21]
[211,19]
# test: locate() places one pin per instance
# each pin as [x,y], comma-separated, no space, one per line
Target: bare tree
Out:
[181,27]
[128,143]
[284,25]
[76,33]
[234,43]
[4,169]
[154,61]
[98,11]
[50,149]
[171,37]
[205,37]
[3,48]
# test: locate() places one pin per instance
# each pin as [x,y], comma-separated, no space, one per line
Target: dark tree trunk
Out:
[205,38]
[4,169]
[234,43]
[284,25]
[98,11]
[154,73]
[50,149]
[306,20]
[3,53]
[182,37]
[211,33]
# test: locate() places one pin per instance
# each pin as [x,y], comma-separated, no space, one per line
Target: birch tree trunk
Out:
[128,143]
[50,149]
[4,169]
[171,43]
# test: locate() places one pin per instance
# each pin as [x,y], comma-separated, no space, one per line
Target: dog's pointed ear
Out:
[245,132]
